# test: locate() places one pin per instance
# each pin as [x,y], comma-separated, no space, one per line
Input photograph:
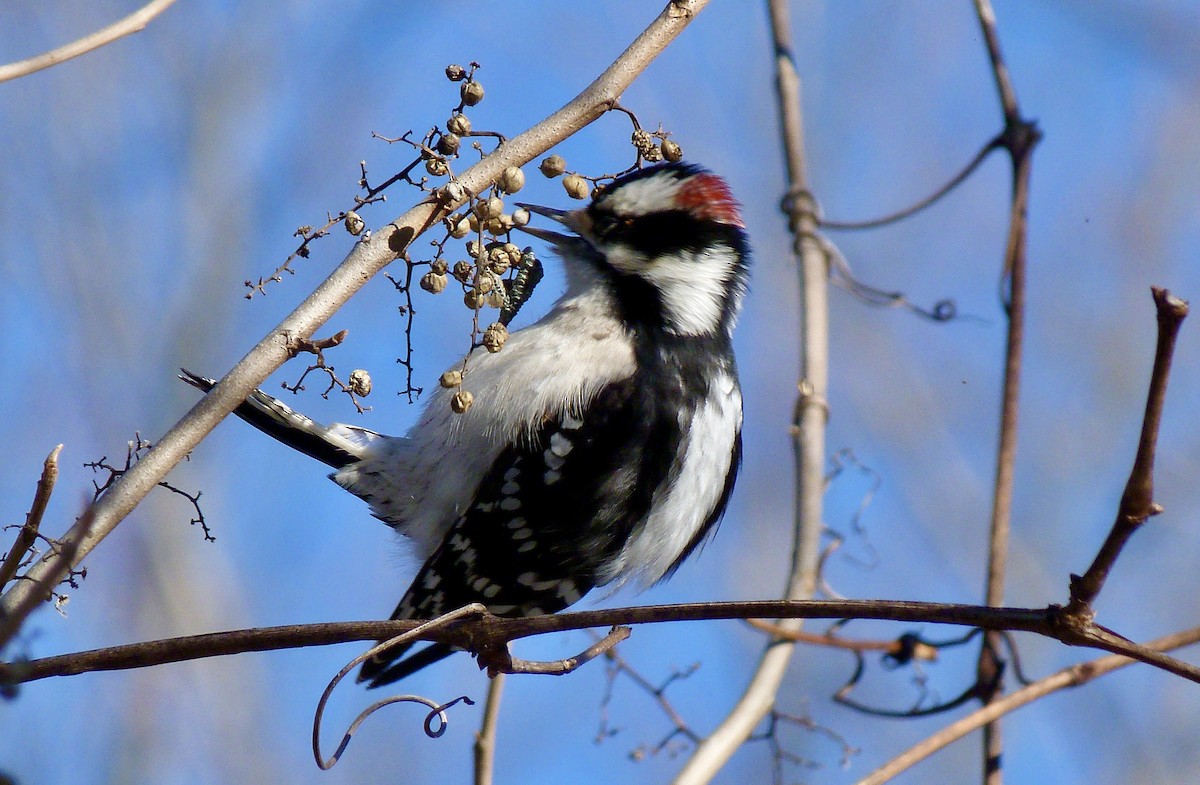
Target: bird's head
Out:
[670,243]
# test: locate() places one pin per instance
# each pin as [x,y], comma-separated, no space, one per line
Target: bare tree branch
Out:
[1019,138]
[134,23]
[1074,676]
[485,632]
[27,536]
[1137,503]
[485,739]
[811,414]
[368,257]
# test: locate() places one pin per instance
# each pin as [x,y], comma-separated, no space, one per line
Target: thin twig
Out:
[27,536]
[1019,138]
[506,663]
[485,739]
[1137,503]
[134,23]
[366,258]
[1074,676]
[39,588]
[409,636]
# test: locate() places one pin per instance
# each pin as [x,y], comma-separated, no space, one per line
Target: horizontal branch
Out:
[489,632]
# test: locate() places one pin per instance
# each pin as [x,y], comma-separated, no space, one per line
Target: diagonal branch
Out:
[1137,503]
[368,257]
[134,23]
[1074,676]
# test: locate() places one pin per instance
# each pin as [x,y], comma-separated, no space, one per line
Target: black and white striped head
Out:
[670,243]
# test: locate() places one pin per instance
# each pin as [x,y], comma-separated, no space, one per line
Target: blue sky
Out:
[142,184]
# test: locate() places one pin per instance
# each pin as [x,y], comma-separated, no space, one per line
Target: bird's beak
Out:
[575,220]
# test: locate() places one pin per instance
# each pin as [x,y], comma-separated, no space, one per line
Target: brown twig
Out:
[365,259]
[1019,138]
[485,739]
[500,660]
[1074,676]
[27,536]
[414,634]
[134,23]
[1137,502]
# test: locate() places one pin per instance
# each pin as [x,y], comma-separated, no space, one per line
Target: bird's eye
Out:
[605,225]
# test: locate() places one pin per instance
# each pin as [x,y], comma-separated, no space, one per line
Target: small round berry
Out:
[438,267]
[355,223]
[449,144]
[473,299]
[451,379]
[473,249]
[671,151]
[494,337]
[437,167]
[553,166]
[360,383]
[471,92]
[433,283]
[512,180]
[463,271]
[520,216]
[460,227]
[455,73]
[459,124]
[461,401]
[576,186]
[473,221]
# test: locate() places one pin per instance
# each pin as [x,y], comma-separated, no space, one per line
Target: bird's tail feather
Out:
[336,445]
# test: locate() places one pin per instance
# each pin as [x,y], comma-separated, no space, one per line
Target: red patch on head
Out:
[708,196]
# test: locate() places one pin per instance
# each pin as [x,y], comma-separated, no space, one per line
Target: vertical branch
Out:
[1019,138]
[810,415]
[485,739]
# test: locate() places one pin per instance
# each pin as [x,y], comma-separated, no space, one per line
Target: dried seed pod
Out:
[553,166]
[459,124]
[642,140]
[494,337]
[354,223]
[433,283]
[454,192]
[576,187]
[511,180]
[463,271]
[496,298]
[438,267]
[471,92]
[653,154]
[671,151]
[460,227]
[451,379]
[449,144]
[461,401]
[360,383]
[520,216]
[473,249]
[455,73]
[473,299]
[486,282]
[437,167]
